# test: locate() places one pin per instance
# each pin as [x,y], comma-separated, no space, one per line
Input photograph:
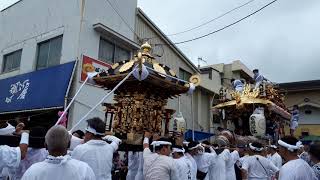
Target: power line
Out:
[216,18]
[123,19]
[225,27]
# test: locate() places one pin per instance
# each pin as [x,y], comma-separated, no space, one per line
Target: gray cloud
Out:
[283,40]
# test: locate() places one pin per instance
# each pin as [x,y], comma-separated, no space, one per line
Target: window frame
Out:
[115,47]
[4,61]
[184,72]
[48,54]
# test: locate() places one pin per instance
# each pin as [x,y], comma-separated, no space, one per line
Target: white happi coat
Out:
[218,171]
[194,167]
[296,170]
[139,175]
[133,164]
[98,154]
[183,165]
[158,167]
[259,169]
[204,161]
[62,168]
[33,156]
[276,160]
[234,157]
[9,158]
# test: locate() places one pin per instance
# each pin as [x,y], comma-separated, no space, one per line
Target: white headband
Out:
[255,148]
[273,146]
[289,146]
[178,150]
[158,143]
[197,146]
[93,131]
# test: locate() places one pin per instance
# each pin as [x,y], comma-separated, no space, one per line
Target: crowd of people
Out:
[92,155]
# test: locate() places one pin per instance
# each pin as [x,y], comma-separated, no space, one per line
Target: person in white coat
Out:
[204,161]
[95,151]
[135,166]
[257,167]
[183,164]
[219,170]
[295,168]
[275,158]
[158,165]
[58,165]
[33,155]
[192,151]
[10,157]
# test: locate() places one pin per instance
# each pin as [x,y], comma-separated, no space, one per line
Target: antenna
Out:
[200,59]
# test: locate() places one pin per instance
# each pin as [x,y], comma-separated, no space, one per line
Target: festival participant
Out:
[78,133]
[234,157]
[34,155]
[257,167]
[294,119]
[237,84]
[10,157]
[242,149]
[183,164]
[315,158]
[295,168]
[158,165]
[205,161]
[192,151]
[58,165]
[95,151]
[133,164]
[219,170]
[304,154]
[139,175]
[275,158]
[258,78]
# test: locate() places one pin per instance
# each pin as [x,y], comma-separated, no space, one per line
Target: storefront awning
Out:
[198,135]
[42,89]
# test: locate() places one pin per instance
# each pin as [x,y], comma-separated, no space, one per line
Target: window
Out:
[11,61]
[111,53]
[49,53]
[184,75]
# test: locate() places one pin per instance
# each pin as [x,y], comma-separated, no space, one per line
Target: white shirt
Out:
[158,167]
[276,160]
[9,157]
[98,154]
[139,175]
[183,165]
[133,165]
[258,169]
[62,168]
[218,171]
[296,170]
[33,156]
[234,157]
[194,167]
[204,161]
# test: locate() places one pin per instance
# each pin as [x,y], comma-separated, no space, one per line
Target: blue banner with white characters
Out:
[40,89]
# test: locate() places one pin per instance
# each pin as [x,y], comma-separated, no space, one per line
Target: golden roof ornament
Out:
[245,94]
[146,48]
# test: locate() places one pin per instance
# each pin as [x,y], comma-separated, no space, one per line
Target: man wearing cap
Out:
[10,156]
[257,167]
[158,165]
[295,168]
[95,151]
[182,163]
[192,151]
[275,158]
[58,164]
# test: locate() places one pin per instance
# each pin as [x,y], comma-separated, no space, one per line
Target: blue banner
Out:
[40,89]
[198,135]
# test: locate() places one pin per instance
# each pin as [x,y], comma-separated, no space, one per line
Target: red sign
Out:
[91,65]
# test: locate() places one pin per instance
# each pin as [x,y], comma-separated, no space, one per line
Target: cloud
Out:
[281,40]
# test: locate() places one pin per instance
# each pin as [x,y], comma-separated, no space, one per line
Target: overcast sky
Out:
[283,40]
